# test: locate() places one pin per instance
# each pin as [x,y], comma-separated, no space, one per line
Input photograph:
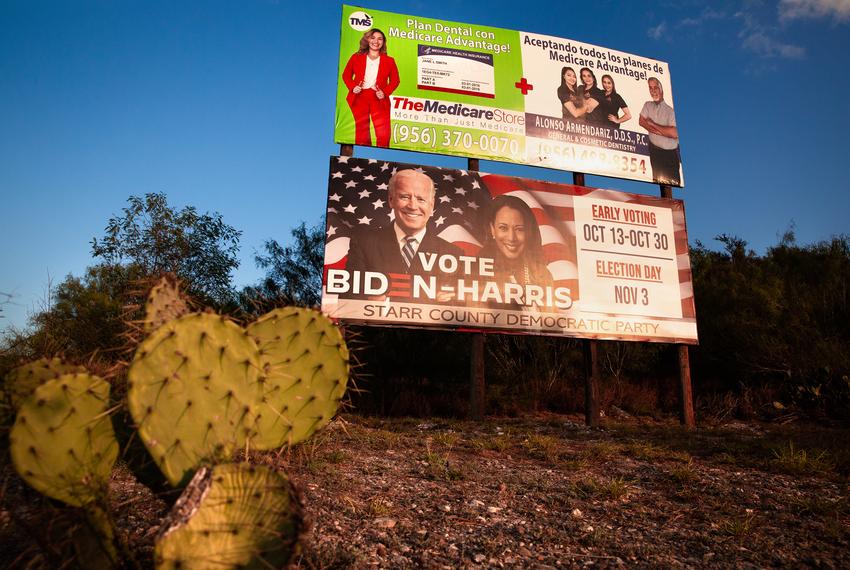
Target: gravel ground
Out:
[547,492]
[535,492]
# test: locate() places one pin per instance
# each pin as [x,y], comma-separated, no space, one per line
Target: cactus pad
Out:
[193,389]
[305,365]
[62,442]
[165,303]
[21,381]
[94,540]
[231,516]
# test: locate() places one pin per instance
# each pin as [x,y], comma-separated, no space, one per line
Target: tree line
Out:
[774,328]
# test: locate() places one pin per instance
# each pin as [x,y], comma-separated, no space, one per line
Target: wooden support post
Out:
[591,362]
[344,150]
[477,385]
[477,381]
[686,397]
[591,383]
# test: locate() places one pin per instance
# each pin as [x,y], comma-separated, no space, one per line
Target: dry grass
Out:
[440,467]
[684,474]
[499,443]
[591,488]
[739,526]
[542,447]
[379,507]
[801,461]
[600,451]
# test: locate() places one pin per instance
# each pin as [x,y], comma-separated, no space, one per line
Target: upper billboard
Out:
[433,86]
[422,246]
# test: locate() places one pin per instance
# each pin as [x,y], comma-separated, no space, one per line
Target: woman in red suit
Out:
[371,76]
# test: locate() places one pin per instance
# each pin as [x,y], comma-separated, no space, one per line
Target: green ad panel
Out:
[420,84]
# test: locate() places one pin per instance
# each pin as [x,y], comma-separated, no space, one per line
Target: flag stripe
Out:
[358,202]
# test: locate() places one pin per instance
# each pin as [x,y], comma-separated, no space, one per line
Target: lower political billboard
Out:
[427,85]
[420,246]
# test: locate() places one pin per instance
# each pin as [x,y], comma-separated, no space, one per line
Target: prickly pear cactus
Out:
[62,442]
[94,540]
[165,303]
[21,381]
[305,369]
[193,386]
[231,516]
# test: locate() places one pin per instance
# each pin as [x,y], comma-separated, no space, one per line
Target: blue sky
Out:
[228,106]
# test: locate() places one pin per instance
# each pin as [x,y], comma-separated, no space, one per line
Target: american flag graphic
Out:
[357,202]
[552,204]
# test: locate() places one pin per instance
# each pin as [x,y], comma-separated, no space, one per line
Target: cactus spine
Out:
[305,365]
[165,303]
[193,384]
[62,442]
[200,387]
[231,516]
[23,380]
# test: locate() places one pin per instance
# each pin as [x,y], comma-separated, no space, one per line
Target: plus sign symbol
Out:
[524,86]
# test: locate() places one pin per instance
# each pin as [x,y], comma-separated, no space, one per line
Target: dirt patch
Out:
[541,492]
[548,492]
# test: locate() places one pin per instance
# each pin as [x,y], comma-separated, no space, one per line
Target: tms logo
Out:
[360,21]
